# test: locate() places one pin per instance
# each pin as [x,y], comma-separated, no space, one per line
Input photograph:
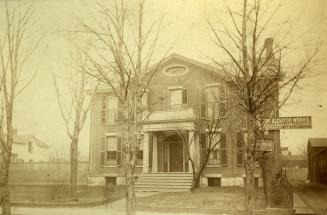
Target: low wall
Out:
[46,173]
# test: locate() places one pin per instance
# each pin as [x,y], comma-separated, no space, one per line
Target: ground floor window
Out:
[218,155]
[214,181]
[111,181]
[110,151]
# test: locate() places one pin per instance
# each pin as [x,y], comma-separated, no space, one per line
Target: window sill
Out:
[114,123]
[216,165]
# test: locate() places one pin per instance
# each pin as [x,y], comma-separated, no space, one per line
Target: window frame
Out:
[183,103]
[109,110]
[111,162]
[117,159]
[239,149]
[219,101]
[218,151]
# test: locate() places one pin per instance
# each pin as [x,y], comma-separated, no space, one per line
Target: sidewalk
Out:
[301,208]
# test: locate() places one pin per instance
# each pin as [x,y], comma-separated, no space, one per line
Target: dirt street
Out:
[314,195]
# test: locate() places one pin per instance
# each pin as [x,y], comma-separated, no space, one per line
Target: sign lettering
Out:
[301,122]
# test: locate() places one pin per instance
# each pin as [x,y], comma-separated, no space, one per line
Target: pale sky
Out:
[37,110]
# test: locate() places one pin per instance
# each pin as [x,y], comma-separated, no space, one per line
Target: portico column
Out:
[190,138]
[146,153]
[155,154]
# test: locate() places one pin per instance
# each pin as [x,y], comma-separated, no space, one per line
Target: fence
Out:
[46,173]
[296,173]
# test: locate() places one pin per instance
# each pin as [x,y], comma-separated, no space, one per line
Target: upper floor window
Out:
[109,109]
[178,98]
[215,100]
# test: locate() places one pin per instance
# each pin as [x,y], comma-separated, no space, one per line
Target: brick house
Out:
[177,94]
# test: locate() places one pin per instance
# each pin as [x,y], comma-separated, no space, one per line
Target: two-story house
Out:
[181,91]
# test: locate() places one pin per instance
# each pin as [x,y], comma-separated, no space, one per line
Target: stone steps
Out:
[164,182]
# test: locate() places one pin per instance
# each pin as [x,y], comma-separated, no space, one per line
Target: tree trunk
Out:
[197,175]
[249,185]
[130,193]
[73,168]
[264,169]
[5,197]
[196,181]
[129,161]
[273,168]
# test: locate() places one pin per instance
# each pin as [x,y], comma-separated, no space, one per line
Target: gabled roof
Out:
[103,88]
[194,62]
[317,142]
[24,139]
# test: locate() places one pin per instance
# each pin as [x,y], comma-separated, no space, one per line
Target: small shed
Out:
[317,160]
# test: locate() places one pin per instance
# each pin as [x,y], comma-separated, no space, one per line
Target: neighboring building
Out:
[28,148]
[177,94]
[285,151]
[298,161]
[317,160]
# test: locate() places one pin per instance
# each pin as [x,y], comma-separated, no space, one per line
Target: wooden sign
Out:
[266,145]
[300,122]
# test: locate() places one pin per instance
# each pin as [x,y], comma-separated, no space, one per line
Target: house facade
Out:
[178,94]
[28,148]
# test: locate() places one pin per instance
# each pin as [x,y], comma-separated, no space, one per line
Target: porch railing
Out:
[282,192]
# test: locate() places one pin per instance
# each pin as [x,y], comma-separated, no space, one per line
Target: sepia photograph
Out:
[163,107]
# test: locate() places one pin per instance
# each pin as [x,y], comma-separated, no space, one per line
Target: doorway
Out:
[175,157]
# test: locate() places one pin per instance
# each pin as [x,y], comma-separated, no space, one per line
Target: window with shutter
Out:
[104,109]
[218,155]
[222,100]
[203,107]
[185,97]
[112,110]
[213,141]
[203,144]
[240,152]
[223,149]
[111,151]
[119,151]
[215,100]
[102,151]
[178,98]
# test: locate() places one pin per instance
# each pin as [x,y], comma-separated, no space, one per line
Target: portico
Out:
[164,151]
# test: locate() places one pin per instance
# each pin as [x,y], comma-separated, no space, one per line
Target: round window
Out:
[175,70]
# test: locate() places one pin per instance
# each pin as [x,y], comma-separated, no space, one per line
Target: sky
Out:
[37,111]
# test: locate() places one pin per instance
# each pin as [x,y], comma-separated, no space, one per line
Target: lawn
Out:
[53,194]
[221,198]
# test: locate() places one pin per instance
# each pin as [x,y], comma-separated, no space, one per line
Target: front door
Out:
[175,157]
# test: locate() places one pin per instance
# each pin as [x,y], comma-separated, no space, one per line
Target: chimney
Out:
[269,42]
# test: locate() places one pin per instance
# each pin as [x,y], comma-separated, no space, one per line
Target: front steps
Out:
[164,182]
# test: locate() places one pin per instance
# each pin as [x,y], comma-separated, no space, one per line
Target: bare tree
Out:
[15,49]
[257,77]
[208,132]
[124,47]
[74,114]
